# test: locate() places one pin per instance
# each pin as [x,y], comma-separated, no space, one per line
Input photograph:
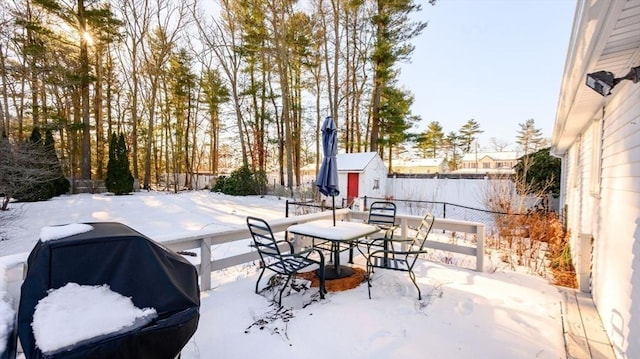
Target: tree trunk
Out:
[100,140]
[4,107]
[85,172]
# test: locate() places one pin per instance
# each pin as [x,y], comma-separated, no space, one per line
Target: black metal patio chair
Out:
[286,262]
[397,258]
[383,215]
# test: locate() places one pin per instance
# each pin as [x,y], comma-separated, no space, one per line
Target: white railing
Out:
[208,265]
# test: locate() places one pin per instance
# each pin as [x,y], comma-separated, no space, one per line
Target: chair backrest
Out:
[263,237]
[382,213]
[420,238]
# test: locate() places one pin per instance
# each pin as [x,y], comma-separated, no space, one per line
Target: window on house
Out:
[486,165]
[376,183]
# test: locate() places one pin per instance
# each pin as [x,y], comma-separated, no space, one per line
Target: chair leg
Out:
[283,288]
[369,272]
[413,279]
[323,288]
[260,277]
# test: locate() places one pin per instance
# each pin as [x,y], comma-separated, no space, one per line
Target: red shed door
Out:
[352,187]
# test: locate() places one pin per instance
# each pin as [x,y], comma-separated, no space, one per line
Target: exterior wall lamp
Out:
[603,82]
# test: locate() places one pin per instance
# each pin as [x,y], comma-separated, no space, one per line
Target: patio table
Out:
[341,232]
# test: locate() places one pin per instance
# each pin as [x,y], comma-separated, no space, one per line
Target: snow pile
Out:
[51,233]
[77,314]
[7,314]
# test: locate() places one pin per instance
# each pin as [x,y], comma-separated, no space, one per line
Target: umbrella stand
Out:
[333,204]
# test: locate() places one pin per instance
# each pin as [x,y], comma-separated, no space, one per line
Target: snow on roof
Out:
[354,161]
[496,156]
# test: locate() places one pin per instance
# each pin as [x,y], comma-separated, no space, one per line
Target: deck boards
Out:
[585,337]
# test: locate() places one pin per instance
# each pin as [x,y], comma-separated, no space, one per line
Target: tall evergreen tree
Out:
[394,32]
[59,185]
[468,133]
[91,20]
[119,179]
[431,140]
[529,137]
[214,94]
[182,83]
[396,119]
[451,145]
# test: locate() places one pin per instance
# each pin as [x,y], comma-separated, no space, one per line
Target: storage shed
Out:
[361,174]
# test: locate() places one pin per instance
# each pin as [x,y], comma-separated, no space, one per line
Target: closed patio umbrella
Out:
[327,181]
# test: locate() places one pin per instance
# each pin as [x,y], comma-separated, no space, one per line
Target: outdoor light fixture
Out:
[603,82]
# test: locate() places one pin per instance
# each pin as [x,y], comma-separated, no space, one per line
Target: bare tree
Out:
[221,37]
[497,144]
[23,167]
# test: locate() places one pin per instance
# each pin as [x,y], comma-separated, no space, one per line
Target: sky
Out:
[498,313]
[499,62]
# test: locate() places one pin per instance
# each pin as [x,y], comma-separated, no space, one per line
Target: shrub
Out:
[539,173]
[242,182]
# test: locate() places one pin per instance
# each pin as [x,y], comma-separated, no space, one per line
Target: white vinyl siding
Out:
[596,155]
[616,266]
[612,218]
[586,204]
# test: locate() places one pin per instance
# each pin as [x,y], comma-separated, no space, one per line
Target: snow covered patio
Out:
[498,313]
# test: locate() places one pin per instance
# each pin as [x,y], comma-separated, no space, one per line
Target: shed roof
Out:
[357,161]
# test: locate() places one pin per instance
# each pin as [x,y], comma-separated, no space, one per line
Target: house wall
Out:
[602,193]
[617,243]
[486,162]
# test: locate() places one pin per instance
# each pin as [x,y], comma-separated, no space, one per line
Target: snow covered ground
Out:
[463,313]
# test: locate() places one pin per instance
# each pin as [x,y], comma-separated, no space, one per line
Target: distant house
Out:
[420,166]
[598,140]
[488,162]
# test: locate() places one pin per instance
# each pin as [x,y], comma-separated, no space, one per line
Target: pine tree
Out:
[529,137]
[431,140]
[119,179]
[468,133]
[59,185]
[394,30]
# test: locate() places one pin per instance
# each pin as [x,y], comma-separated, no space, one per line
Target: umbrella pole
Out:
[333,200]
